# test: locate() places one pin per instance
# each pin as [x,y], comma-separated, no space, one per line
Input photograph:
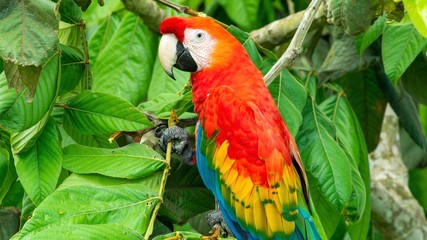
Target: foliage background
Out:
[81,85]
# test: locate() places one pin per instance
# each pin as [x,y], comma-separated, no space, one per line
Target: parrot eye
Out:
[199,36]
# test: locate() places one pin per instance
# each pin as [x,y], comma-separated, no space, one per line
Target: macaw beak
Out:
[172,53]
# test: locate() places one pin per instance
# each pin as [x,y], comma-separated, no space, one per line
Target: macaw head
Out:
[194,44]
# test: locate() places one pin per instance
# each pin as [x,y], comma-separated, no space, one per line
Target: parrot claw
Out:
[180,142]
[216,222]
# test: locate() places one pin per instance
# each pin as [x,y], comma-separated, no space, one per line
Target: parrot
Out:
[244,153]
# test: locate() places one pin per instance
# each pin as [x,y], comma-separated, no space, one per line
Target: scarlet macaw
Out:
[245,153]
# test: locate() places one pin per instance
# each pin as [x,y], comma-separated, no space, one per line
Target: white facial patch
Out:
[200,44]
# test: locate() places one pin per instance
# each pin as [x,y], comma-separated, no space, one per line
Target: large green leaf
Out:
[329,217]
[130,162]
[102,113]
[70,11]
[17,113]
[39,167]
[353,16]
[23,141]
[4,166]
[350,137]
[86,231]
[244,13]
[161,83]
[125,65]
[78,137]
[323,157]
[95,200]
[367,101]
[290,97]
[401,43]
[9,177]
[185,195]
[28,30]
[417,10]
[417,180]
[413,79]
[165,102]
[72,68]
[342,58]
[102,36]
[363,41]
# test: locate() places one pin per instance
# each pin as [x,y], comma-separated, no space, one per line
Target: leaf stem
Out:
[171,122]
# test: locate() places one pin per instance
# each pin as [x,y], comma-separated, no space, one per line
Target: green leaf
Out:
[101,141]
[417,180]
[417,10]
[86,231]
[353,16]
[183,235]
[4,166]
[161,83]
[360,229]
[27,209]
[70,11]
[244,13]
[401,43]
[151,183]
[326,213]
[323,157]
[6,180]
[102,36]
[125,65]
[165,102]
[342,58]
[413,79]
[102,113]
[185,195]
[72,68]
[290,97]
[363,41]
[131,161]
[39,167]
[180,204]
[23,141]
[350,137]
[128,203]
[423,118]
[16,113]
[28,31]
[367,101]
[71,35]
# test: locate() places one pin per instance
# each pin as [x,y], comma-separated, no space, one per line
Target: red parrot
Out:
[245,153]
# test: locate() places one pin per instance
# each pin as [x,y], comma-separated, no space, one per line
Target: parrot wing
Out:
[248,159]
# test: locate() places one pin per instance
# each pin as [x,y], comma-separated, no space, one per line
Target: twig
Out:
[181,8]
[294,48]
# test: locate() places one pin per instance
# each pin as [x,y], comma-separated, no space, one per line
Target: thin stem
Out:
[172,121]
[294,48]
[181,8]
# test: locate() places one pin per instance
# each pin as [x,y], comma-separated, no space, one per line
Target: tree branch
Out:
[395,212]
[294,48]
[284,29]
[148,11]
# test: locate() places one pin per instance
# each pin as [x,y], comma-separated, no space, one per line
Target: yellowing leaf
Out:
[417,10]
